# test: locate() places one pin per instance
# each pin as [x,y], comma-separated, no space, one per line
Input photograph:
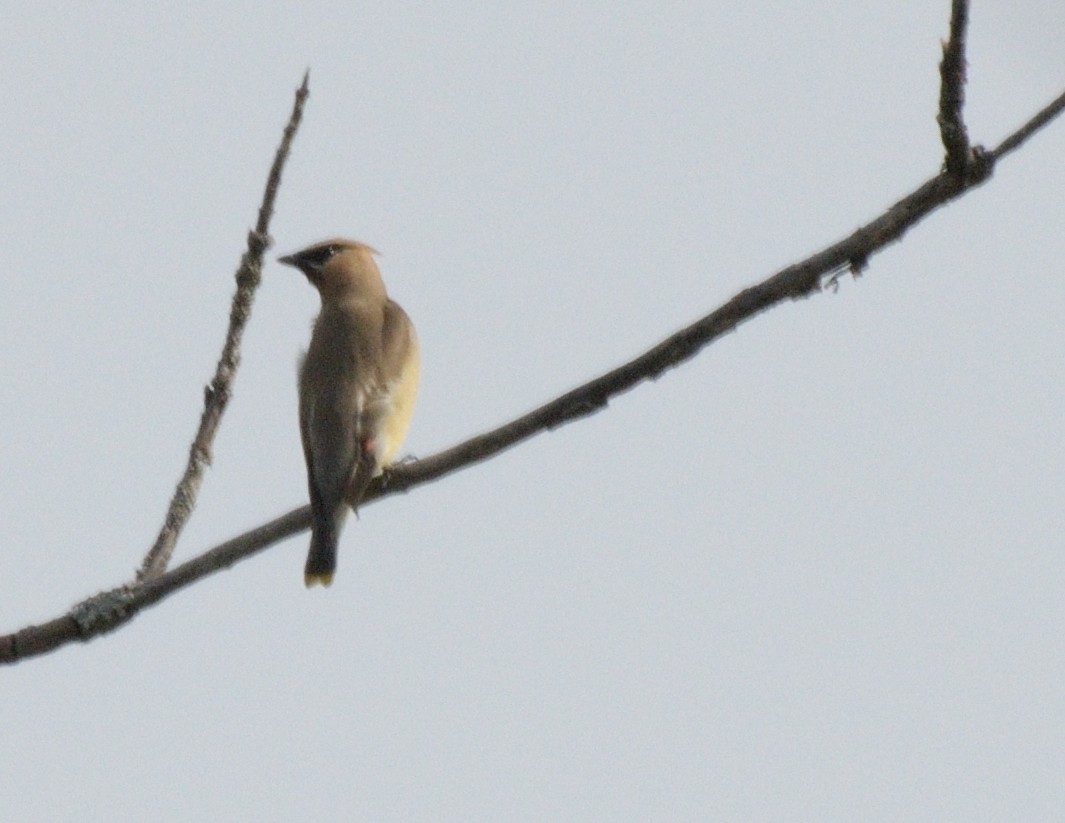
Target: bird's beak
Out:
[312,271]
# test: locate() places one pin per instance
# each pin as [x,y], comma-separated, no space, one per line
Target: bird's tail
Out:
[322,557]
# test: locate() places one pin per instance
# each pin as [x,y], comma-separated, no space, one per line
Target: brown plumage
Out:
[357,386]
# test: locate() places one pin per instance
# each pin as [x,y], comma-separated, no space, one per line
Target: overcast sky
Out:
[815,574]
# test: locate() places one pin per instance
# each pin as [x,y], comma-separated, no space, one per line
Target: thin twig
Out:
[1017,139]
[216,395]
[108,611]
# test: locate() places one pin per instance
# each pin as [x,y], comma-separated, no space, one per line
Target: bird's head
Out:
[338,266]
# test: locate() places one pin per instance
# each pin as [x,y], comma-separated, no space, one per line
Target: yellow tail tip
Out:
[323,579]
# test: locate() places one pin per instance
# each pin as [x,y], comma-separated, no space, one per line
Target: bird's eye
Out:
[318,256]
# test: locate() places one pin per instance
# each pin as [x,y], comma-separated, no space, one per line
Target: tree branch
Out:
[217,393]
[109,610]
[952,91]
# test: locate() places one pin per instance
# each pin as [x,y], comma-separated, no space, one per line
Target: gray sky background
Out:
[816,574]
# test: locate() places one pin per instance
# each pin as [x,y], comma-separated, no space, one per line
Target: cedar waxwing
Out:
[357,384]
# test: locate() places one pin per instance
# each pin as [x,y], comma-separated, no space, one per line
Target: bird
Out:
[357,385]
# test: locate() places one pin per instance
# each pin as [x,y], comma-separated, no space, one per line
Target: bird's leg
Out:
[365,466]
